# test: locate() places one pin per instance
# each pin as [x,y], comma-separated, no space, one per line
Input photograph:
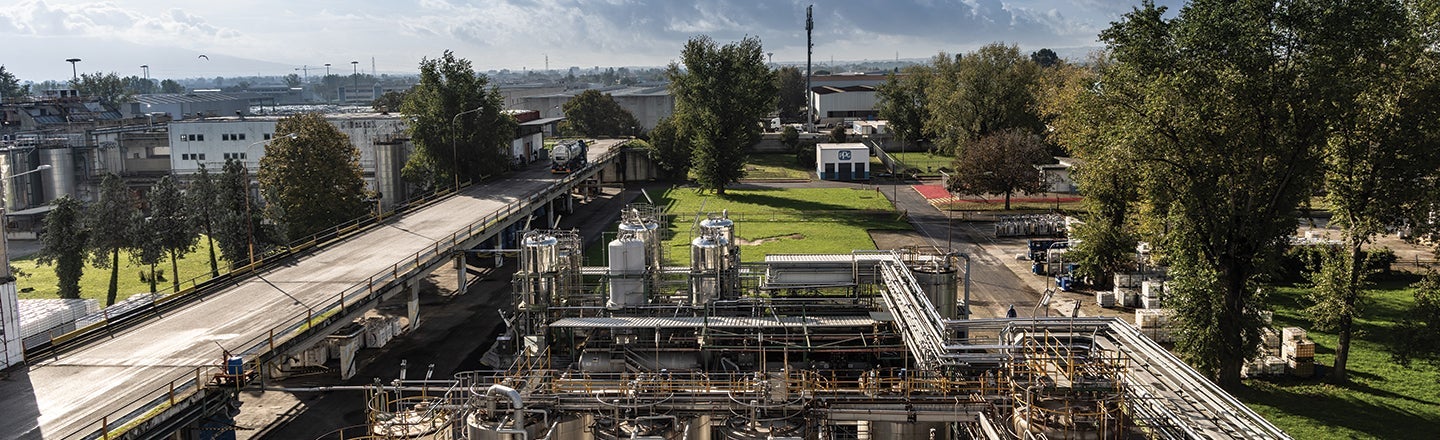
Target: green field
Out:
[777,167]
[792,220]
[95,282]
[1382,401]
[926,162]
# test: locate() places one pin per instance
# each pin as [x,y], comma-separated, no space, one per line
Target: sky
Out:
[278,37]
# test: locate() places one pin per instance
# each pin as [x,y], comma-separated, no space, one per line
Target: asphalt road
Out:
[59,397]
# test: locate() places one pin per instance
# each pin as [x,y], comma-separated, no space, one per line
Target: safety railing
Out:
[296,325]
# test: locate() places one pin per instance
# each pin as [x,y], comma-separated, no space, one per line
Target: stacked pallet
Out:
[1155,324]
[1151,294]
[1127,289]
[1105,298]
[1298,351]
[42,319]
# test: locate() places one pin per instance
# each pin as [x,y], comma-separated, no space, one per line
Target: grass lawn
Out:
[777,167]
[1383,400]
[1064,203]
[95,282]
[791,220]
[926,162]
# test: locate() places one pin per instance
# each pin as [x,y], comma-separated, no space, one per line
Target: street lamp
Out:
[5,276]
[72,61]
[454,150]
[355,73]
[249,219]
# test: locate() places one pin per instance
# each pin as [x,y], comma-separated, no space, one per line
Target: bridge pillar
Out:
[412,306]
[569,202]
[462,272]
[550,214]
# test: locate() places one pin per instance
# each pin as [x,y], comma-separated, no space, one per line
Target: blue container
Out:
[1037,268]
[235,366]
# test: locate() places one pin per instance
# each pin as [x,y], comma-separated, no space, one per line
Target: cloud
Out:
[36,18]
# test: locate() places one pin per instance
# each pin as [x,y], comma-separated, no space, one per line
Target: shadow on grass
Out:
[1325,409]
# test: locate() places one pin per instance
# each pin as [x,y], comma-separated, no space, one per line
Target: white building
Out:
[381,139]
[849,161]
[649,104]
[832,104]
[12,349]
[185,105]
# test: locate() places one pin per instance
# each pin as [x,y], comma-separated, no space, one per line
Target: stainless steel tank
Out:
[939,280]
[59,180]
[539,253]
[708,265]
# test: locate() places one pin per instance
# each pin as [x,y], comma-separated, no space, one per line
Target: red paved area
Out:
[932,191]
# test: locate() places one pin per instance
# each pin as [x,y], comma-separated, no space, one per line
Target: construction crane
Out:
[306,69]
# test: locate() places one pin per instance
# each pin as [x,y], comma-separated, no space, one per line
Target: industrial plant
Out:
[865,345]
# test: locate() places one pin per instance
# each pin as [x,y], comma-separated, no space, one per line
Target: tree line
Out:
[309,177]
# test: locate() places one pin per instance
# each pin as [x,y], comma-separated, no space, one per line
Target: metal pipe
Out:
[519,407]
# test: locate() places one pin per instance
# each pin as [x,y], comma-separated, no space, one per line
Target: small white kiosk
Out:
[850,161]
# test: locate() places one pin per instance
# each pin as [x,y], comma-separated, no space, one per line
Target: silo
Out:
[627,271]
[59,180]
[938,279]
[389,160]
[708,264]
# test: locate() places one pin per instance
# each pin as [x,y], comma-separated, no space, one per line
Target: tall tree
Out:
[389,102]
[64,244]
[108,220]
[450,138]
[10,87]
[135,85]
[1208,106]
[203,208]
[313,180]
[293,81]
[596,114]
[171,86]
[145,249]
[983,92]
[170,224]
[902,101]
[1000,163]
[1380,147]
[108,88]
[238,230]
[791,102]
[670,148]
[719,94]
[1044,57]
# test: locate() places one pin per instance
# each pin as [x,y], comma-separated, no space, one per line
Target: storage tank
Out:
[648,231]
[722,227]
[938,279]
[709,263]
[60,179]
[389,160]
[539,253]
[627,271]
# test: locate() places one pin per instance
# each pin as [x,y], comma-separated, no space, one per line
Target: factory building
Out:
[649,103]
[850,161]
[185,105]
[833,105]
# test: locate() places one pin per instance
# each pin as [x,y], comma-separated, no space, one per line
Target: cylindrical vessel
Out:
[708,264]
[939,281]
[627,271]
[59,180]
[539,253]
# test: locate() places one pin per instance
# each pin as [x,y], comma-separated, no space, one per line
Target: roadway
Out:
[67,396]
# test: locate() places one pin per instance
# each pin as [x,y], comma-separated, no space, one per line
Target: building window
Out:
[242,136]
[242,156]
[225,136]
[267,136]
[202,156]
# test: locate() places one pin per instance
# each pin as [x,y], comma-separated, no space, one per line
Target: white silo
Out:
[709,264]
[627,272]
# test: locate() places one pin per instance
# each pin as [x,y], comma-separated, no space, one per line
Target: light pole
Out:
[146,68]
[73,72]
[5,276]
[355,73]
[249,219]
[454,150]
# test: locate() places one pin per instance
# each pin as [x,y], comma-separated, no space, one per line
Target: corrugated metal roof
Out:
[713,322]
[178,98]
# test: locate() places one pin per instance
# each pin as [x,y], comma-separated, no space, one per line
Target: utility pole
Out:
[809,49]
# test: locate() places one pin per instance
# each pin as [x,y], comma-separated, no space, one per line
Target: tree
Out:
[313,180]
[170,225]
[596,114]
[1417,337]
[65,243]
[238,230]
[902,101]
[10,87]
[1209,110]
[145,249]
[1379,148]
[170,86]
[108,221]
[107,88]
[838,134]
[1001,163]
[388,102]
[1044,57]
[293,81]
[670,149]
[135,85]
[203,209]
[986,91]
[719,94]
[791,102]
[478,140]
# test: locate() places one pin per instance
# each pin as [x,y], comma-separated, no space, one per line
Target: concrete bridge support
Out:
[462,273]
[412,304]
